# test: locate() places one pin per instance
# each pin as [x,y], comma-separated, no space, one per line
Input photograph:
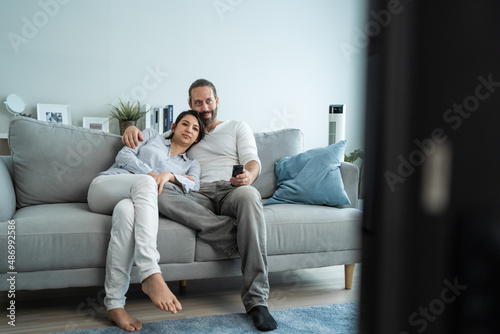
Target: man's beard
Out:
[208,121]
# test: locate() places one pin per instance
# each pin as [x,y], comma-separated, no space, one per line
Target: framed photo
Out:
[54,113]
[96,123]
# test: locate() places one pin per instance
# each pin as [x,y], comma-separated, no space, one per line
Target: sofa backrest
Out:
[55,163]
[272,146]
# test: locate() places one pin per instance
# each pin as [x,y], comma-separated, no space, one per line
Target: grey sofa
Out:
[60,243]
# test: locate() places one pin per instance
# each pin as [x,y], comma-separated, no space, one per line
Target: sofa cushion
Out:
[311,177]
[55,163]
[68,236]
[60,236]
[7,195]
[204,252]
[299,228]
[302,229]
[272,146]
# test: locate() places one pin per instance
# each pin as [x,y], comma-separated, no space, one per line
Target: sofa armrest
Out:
[7,192]
[350,177]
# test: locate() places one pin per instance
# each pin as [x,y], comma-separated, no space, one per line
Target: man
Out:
[223,196]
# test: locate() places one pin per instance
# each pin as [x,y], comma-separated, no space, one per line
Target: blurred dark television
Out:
[431,231]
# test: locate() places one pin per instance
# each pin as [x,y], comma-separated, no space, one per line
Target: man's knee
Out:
[246,194]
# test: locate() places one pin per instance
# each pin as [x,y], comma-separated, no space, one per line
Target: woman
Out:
[129,191]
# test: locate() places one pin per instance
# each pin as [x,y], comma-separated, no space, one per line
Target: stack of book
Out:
[158,118]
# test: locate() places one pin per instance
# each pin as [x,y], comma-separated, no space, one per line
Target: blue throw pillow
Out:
[311,177]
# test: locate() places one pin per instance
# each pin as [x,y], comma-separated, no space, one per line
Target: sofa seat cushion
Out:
[300,228]
[60,236]
[176,242]
[205,252]
[70,236]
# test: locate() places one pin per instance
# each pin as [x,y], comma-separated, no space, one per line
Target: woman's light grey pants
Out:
[132,200]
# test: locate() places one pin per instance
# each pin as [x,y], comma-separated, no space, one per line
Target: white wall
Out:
[275,63]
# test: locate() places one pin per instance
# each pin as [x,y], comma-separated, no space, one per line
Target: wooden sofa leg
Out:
[183,284]
[349,275]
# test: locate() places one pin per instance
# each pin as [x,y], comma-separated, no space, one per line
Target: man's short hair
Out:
[202,83]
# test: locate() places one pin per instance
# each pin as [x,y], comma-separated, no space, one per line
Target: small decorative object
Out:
[54,113]
[352,158]
[96,123]
[15,105]
[127,114]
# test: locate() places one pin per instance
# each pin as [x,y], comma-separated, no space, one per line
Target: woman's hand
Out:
[161,179]
[165,177]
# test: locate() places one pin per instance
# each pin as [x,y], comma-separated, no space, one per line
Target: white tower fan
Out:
[336,130]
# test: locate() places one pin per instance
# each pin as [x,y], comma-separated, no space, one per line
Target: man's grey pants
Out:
[212,212]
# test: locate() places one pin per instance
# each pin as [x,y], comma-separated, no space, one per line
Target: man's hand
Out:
[242,179]
[249,175]
[132,136]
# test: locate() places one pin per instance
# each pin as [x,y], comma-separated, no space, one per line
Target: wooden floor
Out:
[81,308]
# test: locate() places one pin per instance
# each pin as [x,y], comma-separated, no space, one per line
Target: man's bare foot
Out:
[124,320]
[156,288]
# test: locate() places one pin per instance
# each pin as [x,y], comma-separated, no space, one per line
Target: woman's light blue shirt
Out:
[153,155]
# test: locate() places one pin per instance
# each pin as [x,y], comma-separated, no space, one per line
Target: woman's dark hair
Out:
[201,127]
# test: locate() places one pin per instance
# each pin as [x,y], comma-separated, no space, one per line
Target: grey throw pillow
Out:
[55,163]
[272,146]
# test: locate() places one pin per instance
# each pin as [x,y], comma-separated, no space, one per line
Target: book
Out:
[148,117]
[170,116]
[165,119]
[156,112]
[161,126]
[162,118]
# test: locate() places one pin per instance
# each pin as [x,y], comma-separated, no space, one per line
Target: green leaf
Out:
[127,111]
[354,155]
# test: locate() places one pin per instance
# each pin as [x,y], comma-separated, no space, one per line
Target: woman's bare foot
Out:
[156,288]
[124,320]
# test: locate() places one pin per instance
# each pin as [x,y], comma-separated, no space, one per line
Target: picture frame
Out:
[96,123]
[54,113]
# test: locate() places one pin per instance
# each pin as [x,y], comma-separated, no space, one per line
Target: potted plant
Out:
[127,114]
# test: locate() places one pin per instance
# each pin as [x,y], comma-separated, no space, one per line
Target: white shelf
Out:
[3,135]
